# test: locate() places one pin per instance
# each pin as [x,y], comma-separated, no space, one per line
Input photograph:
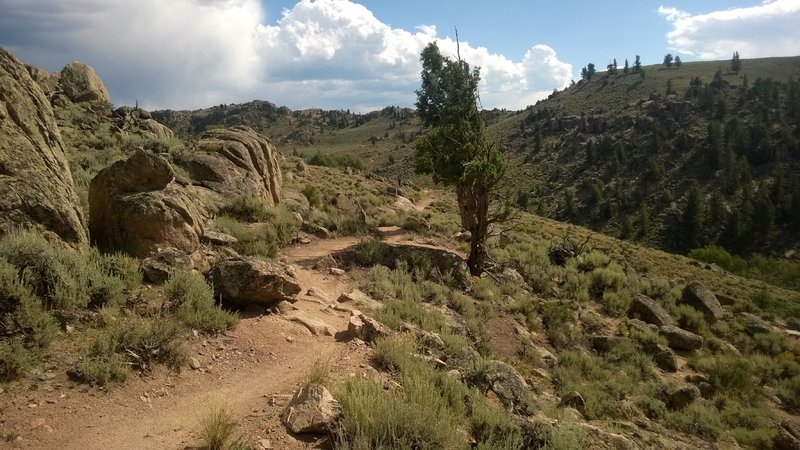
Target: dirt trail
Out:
[253,370]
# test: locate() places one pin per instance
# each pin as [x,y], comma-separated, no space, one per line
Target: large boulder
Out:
[138,121]
[80,83]
[137,206]
[504,380]
[158,267]
[36,187]
[699,297]
[250,281]
[680,339]
[646,309]
[229,162]
[312,410]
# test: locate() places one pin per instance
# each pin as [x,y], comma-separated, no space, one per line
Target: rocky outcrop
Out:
[504,380]
[230,162]
[139,121]
[682,397]
[137,206]
[311,410]
[699,297]
[250,281]
[36,187]
[365,328]
[646,309]
[80,83]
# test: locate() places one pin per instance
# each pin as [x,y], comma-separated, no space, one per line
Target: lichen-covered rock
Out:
[504,380]
[136,206]
[699,297]
[680,339]
[365,327]
[311,410]
[157,267]
[36,187]
[682,397]
[139,121]
[245,280]
[648,310]
[80,83]
[230,162]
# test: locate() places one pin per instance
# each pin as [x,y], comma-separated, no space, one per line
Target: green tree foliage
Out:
[455,150]
[694,217]
[588,72]
[637,64]
[668,60]
[678,62]
[736,63]
[626,68]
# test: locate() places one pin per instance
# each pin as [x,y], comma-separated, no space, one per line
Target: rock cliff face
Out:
[230,162]
[137,206]
[36,187]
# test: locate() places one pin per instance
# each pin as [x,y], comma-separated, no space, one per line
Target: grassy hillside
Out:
[620,153]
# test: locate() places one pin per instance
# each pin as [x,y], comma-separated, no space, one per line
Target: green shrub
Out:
[691,319]
[610,278]
[15,359]
[193,301]
[591,261]
[217,427]
[122,266]
[262,239]
[100,370]
[617,303]
[416,416]
[246,208]
[61,277]
[730,374]
[370,252]
[313,196]
[141,343]
[713,254]
[21,313]
[789,391]
[492,427]
[699,418]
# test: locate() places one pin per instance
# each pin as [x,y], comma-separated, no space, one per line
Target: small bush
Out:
[713,254]
[247,208]
[141,343]
[610,278]
[100,370]
[789,391]
[699,418]
[320,372]
[691,319]
[21,313]
[61,277]
[730,374]
[15,359]
[313,196]
[193,302]
[617,303]
[217,426]
[492,427]
[370,252]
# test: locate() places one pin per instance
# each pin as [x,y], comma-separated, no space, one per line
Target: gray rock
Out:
[574,399]
[80,83]
[699,297]
[232,161]
[511,388]
[682,397]
[218,238]
[316,326]
[312,410]
[755,325]
[157,267]
[646,309]
[245,280]
[36,188]
[360,300]
[665,359]
[680,339]
[366,328]
[136,206]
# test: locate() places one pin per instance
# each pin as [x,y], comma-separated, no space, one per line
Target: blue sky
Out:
[364,54]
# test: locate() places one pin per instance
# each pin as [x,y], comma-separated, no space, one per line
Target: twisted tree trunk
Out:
[473,205]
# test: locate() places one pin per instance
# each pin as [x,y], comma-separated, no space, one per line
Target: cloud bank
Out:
[768,29]
[197,53]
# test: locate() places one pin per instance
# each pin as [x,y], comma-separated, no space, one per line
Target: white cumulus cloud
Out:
[197,53]
[767,29]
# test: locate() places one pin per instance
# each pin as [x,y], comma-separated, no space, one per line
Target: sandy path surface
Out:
[253,369]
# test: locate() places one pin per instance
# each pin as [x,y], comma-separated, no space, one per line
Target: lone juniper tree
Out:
[455,150]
